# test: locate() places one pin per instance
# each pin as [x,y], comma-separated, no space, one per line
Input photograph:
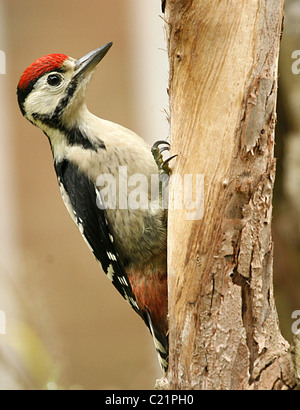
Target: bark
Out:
[224,331]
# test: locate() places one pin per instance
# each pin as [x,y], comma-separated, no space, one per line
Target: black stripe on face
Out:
[54,120]
[74,135]
[65,100]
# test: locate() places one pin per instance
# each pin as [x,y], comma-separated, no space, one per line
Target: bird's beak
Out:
[87,63]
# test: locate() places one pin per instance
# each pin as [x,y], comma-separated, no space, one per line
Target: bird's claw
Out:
[163,166]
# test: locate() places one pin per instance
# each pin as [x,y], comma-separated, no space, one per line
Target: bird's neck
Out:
[71,130]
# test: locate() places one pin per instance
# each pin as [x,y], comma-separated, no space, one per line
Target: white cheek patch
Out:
[43,98]
[41,101]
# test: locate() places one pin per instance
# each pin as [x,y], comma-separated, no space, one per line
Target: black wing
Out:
[93,225]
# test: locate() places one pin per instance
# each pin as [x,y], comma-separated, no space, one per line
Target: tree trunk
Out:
[224,331]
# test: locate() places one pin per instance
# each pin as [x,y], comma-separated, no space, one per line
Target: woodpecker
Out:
[129,244]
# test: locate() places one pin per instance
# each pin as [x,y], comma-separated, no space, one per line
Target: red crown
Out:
[41,66]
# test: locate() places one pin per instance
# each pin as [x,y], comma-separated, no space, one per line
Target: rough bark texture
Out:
[224,331]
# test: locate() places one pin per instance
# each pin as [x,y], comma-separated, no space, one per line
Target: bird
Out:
[129,242]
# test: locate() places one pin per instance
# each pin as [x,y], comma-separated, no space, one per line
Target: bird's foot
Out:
[163,166]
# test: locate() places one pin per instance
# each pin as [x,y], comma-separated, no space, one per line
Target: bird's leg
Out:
[164,170]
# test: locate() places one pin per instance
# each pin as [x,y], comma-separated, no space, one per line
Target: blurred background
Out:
[65,325]
[286,221]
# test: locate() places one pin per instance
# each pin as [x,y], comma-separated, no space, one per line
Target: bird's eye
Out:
[54,80]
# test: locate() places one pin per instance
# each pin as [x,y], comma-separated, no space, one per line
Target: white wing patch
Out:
[111,256]
[110,272]
[131,301]
[123,280]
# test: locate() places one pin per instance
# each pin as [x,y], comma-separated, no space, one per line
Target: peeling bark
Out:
[224,331]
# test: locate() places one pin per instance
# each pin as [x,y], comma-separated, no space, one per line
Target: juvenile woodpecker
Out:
[129,244]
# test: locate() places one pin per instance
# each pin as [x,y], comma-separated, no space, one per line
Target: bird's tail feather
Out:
[161,345]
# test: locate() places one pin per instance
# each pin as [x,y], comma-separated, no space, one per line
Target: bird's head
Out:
[53,87]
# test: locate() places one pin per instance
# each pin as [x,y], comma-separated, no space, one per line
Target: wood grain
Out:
[224,331]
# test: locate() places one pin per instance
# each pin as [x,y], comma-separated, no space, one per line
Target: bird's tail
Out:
[161,344]
[152,299]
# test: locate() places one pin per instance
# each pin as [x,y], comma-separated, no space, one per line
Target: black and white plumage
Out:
[130,244]
[79,195]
